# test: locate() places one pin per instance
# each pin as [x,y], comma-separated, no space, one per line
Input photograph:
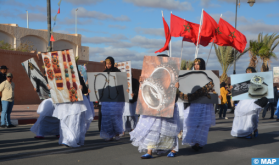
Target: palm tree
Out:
[255,46]
[186,65]
[225,55]
[266,53]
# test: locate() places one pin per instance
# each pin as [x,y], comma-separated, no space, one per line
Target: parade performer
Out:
[111,112]
[46,125]
[198,118]
[75,119]
[157,134]
[130,118]
[246,115]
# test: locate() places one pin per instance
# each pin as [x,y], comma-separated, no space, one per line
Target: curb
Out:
[32,121]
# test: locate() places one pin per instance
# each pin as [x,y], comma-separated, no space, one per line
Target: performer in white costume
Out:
[198,118]
[246,115]
[130,118]
[111,112]
[157,134]
[75,119]
[46,125]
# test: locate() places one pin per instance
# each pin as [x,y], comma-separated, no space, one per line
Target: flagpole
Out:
[163,16]
[210,48]
[170,41]
[181,49]
[197,47]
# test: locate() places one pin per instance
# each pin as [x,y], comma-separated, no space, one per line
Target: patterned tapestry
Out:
[62,75]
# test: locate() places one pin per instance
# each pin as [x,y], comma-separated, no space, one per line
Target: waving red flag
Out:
[182,28]
[167,35]
[208,31]
[227,35]
[58,12]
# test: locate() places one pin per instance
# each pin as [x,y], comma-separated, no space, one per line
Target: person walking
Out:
[7,89]
[224,101]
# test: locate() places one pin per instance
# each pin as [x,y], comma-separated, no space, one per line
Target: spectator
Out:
[7,90]
[224,101]
[271,104]
[3,73]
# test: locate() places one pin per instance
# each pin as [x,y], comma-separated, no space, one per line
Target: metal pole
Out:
[235,28]
[49,25]
[76,20]
[27,19]
[197,47]
[170,41]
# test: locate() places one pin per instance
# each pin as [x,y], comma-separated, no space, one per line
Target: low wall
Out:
[24,90]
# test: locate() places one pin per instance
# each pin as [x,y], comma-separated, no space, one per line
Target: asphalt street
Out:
[17,146]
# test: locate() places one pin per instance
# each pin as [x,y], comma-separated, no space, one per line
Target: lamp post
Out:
[251,3]
[49,46]
[76,20]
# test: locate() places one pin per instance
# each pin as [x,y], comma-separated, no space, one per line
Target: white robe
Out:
[246,118]
[46,124]
[75,119]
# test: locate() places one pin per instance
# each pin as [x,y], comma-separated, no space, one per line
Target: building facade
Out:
[15,35]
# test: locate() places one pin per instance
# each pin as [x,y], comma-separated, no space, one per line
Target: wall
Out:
[24,91]
[6,37]
[38,43]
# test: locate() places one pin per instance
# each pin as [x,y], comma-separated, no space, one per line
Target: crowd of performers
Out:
[152,135]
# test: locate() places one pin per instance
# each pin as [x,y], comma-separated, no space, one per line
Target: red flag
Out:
[52,39]
[209,27]
[182,28]
[167,35]
[58,12]
[227,35]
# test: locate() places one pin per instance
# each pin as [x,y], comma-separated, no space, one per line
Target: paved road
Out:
[17,146]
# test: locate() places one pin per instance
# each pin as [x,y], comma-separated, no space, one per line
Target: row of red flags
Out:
[222,34]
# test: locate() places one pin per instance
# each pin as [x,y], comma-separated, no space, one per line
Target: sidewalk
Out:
[27,114]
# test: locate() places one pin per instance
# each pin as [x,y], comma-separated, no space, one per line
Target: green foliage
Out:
[186,64]
[225,55]
[23,47]
[263,48]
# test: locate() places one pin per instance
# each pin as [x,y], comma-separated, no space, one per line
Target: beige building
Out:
[14,35]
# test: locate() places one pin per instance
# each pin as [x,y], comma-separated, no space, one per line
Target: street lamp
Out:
[251,3]
[76,20]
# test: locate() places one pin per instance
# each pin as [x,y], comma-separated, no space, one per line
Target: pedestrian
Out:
[3,72]
[246,115]
[157,134]
[7,89]
[271,104]
[198,118]
[111,122]
[224,101]
[130,118]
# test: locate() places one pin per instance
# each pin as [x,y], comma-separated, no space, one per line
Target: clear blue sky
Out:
[130,29]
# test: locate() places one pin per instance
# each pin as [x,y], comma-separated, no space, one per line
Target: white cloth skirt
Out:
[130,118]
[112,123]
[180,106]
[46,124]
[198,118]
[75,119]
[156,133]
[246,118]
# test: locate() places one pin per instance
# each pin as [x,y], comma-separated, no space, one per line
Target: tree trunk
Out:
[265,65]
[224,77]
[253,60]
